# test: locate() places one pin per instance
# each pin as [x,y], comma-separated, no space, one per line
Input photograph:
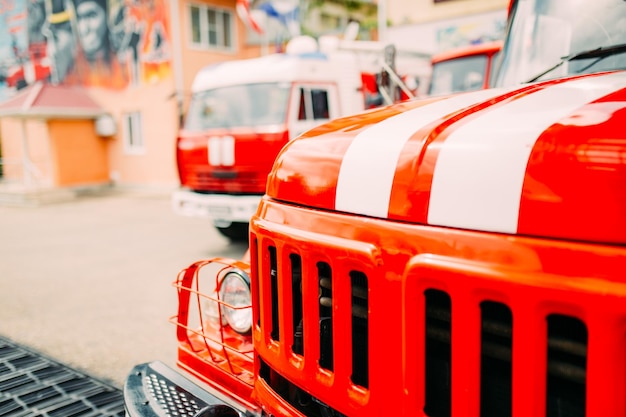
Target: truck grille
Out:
[359,316]
[225,181]
[514,343]
[475,342]
[566,360]
[320,285]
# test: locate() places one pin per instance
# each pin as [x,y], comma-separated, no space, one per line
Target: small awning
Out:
[51,101]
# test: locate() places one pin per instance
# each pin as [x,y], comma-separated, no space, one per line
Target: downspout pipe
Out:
[177,41]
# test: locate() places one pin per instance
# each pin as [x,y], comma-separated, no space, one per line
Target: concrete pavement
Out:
[88,282]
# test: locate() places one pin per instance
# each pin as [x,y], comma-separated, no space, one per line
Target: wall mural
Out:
[105,43]
[488,28]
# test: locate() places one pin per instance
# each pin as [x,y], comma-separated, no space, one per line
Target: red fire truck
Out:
[243,112]
[466,68]
[33,65]
[454,256]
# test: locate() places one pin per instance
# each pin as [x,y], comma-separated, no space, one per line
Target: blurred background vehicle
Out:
[243,112]
[466,68]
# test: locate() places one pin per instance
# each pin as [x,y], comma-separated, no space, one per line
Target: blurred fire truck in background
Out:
[243,112]
[467,68]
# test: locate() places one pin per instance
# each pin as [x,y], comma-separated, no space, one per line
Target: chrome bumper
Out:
[223,209]
[156,390]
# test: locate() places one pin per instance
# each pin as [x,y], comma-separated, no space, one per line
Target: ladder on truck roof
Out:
[384,58]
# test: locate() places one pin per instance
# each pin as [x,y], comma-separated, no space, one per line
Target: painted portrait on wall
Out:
[105,43]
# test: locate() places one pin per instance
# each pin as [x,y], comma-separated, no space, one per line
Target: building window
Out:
[211,28]
[133,134]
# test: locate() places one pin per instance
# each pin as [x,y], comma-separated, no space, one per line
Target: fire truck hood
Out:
[545,159]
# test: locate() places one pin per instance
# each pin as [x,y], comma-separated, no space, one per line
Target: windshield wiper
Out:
[601,52]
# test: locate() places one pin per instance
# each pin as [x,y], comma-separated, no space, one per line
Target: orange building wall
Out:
[79,156]
[155,165]
[194,59]
[17,134]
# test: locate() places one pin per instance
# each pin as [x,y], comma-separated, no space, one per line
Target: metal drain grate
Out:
[32,385]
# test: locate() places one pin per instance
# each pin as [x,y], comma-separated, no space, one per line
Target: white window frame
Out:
[204,28]
[133,133]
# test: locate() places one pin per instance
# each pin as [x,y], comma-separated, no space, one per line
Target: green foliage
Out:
[349,5]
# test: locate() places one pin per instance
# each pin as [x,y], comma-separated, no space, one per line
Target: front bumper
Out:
[156,390]
[223,209]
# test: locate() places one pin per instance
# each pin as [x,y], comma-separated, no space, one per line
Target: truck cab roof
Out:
[485,48]
[313,67]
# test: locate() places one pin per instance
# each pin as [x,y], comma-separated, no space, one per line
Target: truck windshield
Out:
[245,105]
[546,35]
[456,75]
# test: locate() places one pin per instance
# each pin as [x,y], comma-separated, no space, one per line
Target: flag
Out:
[286,12]
[243,10]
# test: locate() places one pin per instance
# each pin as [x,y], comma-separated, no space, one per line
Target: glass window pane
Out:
[138,136]
[320,104]
[212,18]
[302,108]
[129,130]
[227,40]
[458,75]
[195,24]
[236,106]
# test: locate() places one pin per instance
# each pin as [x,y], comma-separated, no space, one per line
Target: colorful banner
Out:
[105,43]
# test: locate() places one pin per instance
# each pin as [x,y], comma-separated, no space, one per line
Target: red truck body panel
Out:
[255,152]
[532,278]
[563,137]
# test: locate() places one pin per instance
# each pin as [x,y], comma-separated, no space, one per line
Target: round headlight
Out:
[235,293]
